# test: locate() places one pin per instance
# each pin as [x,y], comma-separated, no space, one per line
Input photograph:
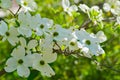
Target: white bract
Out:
[6,4]
[118,20]
[19,61]
[84,8]
[28,23]
[106,7]
[67,8]
[76,1]
[28,46]
[9,34]
[101,36]
[40,63]
[27,5]
[46,44]
[112,6]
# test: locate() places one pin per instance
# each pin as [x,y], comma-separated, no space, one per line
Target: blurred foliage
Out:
[69,67]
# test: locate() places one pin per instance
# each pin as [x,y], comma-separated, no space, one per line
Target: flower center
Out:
[112,6]
[72,43]
[87,42]
[25,3]
[41,26]
[26,48]
[42,62]
[7,34]
[20,61]
[55,34]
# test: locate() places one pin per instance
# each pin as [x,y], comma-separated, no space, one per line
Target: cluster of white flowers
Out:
[37,40]
[94,13]
[25,54]
[113,6]
[69,8]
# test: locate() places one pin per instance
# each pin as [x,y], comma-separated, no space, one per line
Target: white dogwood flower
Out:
[44,26]
[19,61]
[89,43]
[73,45]
[112,6]
[40,63]
[67,8]
[28,23]
[9,34]
[94,13]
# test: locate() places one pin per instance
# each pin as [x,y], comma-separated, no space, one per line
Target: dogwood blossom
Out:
[9,34]
[89,43]
[67,8]
[28,23]
[94,13]
[112,6]
[44,26]
[19,61]
[40,63]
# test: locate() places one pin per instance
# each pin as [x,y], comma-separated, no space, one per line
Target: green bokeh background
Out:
[69,67]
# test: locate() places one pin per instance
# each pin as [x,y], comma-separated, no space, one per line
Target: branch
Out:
[18,10]
[11,12]
[106,66]
[110,67]
[109,19]
[87,22]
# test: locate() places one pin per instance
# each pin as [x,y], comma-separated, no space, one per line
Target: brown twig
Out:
[11,12]
[18,10]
